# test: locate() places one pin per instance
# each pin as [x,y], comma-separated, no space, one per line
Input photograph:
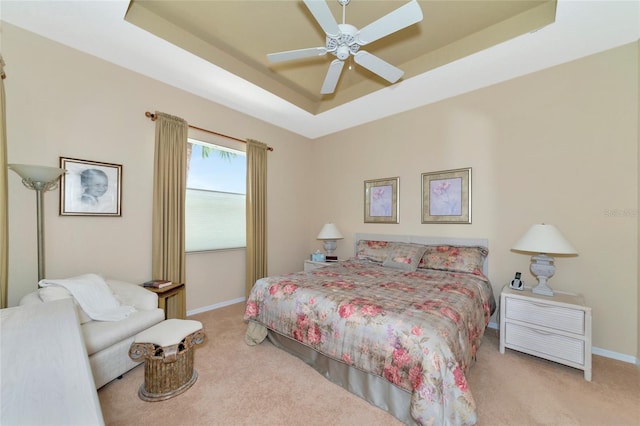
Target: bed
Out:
[398,324]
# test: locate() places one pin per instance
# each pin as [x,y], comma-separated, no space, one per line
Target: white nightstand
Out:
[557,328]
[310,265]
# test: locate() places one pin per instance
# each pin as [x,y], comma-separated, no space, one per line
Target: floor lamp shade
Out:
[40,179]
[542,240]
[37,174]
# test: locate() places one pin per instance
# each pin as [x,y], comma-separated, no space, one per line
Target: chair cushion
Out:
[169,332]
[99,335]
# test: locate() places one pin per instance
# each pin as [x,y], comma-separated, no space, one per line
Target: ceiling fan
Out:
[344,40]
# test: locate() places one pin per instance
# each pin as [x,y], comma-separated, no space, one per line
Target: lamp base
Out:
[543,268]
[542,289]
[330,246]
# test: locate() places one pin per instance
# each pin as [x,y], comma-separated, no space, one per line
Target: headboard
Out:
[427,241]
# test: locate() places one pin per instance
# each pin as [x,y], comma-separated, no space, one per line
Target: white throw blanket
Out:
[94,296]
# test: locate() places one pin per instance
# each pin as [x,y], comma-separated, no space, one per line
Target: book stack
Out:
[157,283]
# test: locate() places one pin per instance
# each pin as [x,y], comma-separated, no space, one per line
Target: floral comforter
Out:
[419,330]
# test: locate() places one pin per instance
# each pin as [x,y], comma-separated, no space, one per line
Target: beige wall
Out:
[61,102]
[559,146]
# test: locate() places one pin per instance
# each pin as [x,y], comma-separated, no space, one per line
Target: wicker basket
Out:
[168,371]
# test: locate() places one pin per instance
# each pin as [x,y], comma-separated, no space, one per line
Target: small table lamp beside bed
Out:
[399,324]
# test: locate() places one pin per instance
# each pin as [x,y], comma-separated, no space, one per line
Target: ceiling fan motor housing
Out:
[345,44]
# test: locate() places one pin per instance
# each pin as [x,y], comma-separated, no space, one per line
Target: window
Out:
[215,201]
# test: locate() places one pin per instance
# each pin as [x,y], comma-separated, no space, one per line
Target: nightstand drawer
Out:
[545,343]
[556,317]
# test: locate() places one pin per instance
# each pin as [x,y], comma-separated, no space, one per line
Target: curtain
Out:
[169,189]
[4,197]
[256,213]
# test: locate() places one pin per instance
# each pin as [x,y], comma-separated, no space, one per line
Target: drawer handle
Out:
[544,333]
[542,305]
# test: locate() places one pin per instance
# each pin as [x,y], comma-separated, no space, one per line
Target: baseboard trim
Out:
[614,355]
[216,306]
[596,351]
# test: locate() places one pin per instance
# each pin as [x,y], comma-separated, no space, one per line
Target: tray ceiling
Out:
[252,87]
[237,36]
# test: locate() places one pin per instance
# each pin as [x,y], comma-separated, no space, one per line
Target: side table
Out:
[172,299]
[557,328]
[310,265]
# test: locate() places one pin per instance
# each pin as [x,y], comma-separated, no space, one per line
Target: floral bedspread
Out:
[419,330]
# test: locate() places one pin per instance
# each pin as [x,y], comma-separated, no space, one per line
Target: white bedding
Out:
[94,297]
[46,377]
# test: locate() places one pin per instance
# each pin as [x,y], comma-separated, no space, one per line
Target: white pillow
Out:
[51,293]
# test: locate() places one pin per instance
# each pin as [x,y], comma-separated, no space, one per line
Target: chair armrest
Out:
[133,295]
[30,299]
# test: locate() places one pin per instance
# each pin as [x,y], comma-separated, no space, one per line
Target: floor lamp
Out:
[41,179]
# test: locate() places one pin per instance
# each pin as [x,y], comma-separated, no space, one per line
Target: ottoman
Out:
[167,349]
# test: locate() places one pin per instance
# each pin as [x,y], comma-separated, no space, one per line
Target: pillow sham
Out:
[454,258]
[375,251]
[404,256]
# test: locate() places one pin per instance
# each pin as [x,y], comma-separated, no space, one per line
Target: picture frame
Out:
[381,204]
[90,188]
[446,196]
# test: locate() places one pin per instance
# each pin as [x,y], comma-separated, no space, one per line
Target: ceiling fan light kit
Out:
[344,40]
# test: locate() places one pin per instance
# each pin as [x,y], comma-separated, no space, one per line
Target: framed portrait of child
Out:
[90,188]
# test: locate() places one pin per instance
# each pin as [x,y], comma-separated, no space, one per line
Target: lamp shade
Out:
[543,238]
[330,232]
[42,174]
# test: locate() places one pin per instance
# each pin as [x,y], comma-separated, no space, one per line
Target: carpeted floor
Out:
[262,385]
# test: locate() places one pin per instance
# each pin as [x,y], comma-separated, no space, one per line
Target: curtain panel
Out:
[169,190]
[4,197]
[256,262]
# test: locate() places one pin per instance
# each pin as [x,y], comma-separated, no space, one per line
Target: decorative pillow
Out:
[375,251]
[454,258]
[51,293]
[404,256]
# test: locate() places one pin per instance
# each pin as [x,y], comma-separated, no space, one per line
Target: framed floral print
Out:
[381,200]
[90,188]
[446,196]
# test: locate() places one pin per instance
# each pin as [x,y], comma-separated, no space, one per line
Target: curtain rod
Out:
[152,116]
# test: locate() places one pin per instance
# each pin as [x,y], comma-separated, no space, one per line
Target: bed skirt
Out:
[371,388]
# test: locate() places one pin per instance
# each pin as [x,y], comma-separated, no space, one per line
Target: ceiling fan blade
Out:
[378,66]
[400,18]
[296,54]
[320,10]
[333,75]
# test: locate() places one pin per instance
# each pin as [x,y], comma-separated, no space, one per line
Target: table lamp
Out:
[544,239]
[330,233]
